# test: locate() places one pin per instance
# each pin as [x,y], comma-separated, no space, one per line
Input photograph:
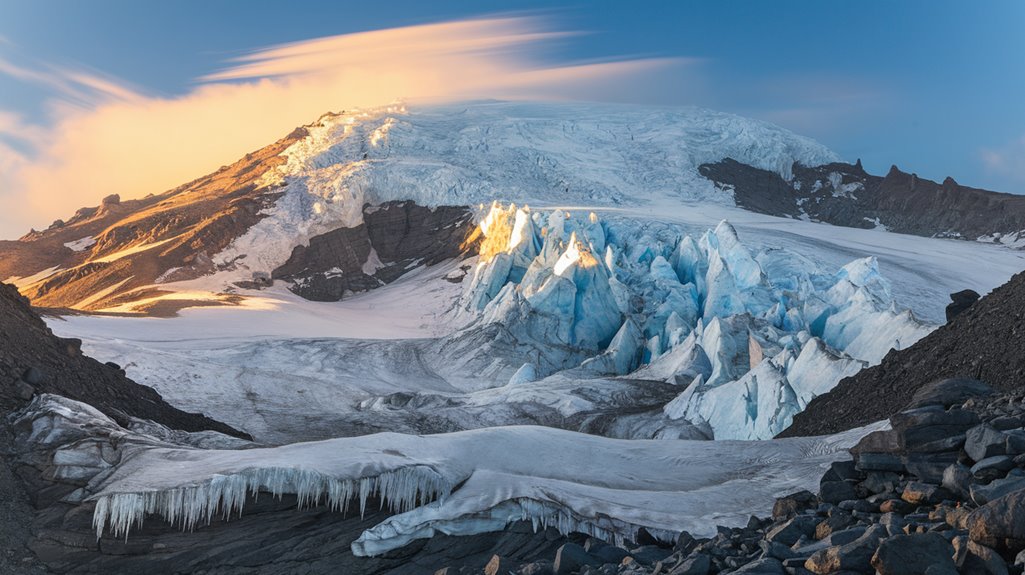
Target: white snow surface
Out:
[82,244]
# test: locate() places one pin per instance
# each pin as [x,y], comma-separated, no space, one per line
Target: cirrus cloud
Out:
[107,137]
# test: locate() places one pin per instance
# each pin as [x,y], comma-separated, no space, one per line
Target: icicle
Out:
[225,495]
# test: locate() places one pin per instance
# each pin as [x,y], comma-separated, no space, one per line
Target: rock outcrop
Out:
[393,238]
[846,195]
[982,342]
[960,301]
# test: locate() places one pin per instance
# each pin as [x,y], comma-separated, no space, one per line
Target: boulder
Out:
[957,478]
[854,556]
[984,441]
[571,558]
[609,554]
[776,550]
[791,531]
[697,564]
[983,560]
[836,491]
[499,566]
[685,542]
[33,377]
[764,566]
[24,391]
[983,494]
[880,481]
[834,523]
[1015,440]
[645,555]
[948,392]
[961,301]
[920,493]
[794,503]
[542,567]
[913,554]
[1000,524]
[992,468]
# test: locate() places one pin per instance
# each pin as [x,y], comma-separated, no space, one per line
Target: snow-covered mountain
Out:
[457,268]
[246,218]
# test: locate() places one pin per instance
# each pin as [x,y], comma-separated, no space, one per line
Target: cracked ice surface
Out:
[751,338]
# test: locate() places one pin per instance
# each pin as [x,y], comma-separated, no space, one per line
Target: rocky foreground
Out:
[941,492]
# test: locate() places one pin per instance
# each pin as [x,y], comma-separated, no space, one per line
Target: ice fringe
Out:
[400,490]
[540,514]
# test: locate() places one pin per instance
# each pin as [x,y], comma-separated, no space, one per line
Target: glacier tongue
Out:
[751,338]
[457,483]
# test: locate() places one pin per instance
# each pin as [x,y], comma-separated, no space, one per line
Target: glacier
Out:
[609,324]
[750,338]
[456,483]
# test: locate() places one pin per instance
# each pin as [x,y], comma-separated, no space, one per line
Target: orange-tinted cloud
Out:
[132,144]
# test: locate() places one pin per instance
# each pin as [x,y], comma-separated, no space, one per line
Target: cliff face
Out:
[34,361]
[393,238]
[983,342]
[846,195]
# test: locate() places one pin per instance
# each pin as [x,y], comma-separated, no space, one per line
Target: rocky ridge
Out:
[116,252]
[846,195]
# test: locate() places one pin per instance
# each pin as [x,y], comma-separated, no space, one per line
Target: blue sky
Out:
[937,87]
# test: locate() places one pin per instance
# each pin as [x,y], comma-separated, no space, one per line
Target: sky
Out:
[115,96]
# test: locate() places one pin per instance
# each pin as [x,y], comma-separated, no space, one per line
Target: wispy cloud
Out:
[73,87]
[1007,161]
[820,105]
[133,144]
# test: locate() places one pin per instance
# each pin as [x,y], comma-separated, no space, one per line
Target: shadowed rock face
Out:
[846,195]
[394,238]
[982,342]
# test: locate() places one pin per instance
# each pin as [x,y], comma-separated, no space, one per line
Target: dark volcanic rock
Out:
[983,343]
[394,238]
[913,554]
[948,392]
[845,195]
[1000,524]
[961,301]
